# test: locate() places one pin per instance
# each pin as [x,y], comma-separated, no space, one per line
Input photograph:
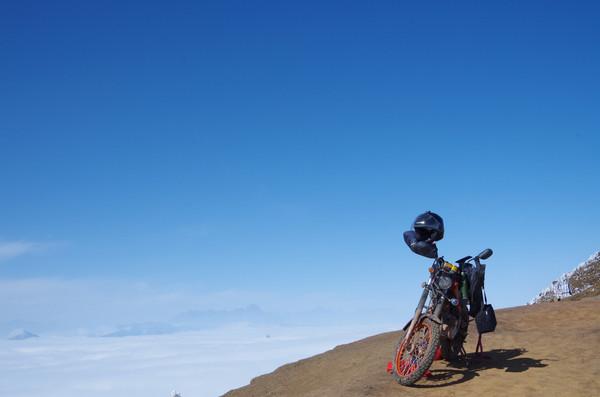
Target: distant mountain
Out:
[142,329]
[582,281]
[196,320]
[20,334]
[251,314]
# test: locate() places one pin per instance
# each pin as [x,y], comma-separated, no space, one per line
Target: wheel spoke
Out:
[416,352]
[408,360]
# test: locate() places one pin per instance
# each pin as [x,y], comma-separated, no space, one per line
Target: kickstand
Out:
[479,349]
[462,355]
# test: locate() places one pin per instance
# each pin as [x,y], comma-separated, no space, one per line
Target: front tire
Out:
[414,357]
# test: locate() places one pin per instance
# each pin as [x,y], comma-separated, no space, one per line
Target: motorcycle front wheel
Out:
[414,356]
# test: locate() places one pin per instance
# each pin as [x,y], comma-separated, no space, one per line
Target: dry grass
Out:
[547,349]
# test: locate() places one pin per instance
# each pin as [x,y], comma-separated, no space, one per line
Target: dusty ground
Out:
[548,349]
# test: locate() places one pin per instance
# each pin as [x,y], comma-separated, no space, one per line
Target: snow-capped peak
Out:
[20,333]
[583,278]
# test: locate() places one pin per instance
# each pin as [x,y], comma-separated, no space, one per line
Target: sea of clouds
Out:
[119,338]
[199,363]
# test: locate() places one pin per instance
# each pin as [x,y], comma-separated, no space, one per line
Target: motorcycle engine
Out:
[450,326]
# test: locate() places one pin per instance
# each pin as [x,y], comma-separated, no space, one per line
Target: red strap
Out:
[479,348]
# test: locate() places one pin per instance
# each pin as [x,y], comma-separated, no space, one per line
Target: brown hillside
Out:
[548,349]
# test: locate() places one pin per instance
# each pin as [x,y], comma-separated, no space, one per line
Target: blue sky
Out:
[281,149]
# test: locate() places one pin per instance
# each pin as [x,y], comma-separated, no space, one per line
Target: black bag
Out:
[476,278]
[486,318]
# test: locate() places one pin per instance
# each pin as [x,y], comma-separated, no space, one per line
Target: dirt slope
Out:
[548,349]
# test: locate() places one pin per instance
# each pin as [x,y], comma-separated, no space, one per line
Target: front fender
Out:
[433,318]
[430,316]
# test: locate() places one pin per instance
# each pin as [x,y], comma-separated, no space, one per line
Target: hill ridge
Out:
[548,349]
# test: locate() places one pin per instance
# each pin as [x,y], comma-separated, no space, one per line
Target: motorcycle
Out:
[441,320]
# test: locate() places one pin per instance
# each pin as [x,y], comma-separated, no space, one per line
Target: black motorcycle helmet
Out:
[429,226]
[427,229]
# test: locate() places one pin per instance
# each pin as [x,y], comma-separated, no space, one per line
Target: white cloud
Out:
[12,249]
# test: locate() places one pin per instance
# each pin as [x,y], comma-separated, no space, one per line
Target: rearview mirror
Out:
[486,253]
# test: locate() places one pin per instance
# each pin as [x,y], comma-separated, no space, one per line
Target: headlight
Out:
[444,282]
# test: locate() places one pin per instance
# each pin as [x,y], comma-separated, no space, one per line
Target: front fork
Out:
[417,314]
[419,311]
